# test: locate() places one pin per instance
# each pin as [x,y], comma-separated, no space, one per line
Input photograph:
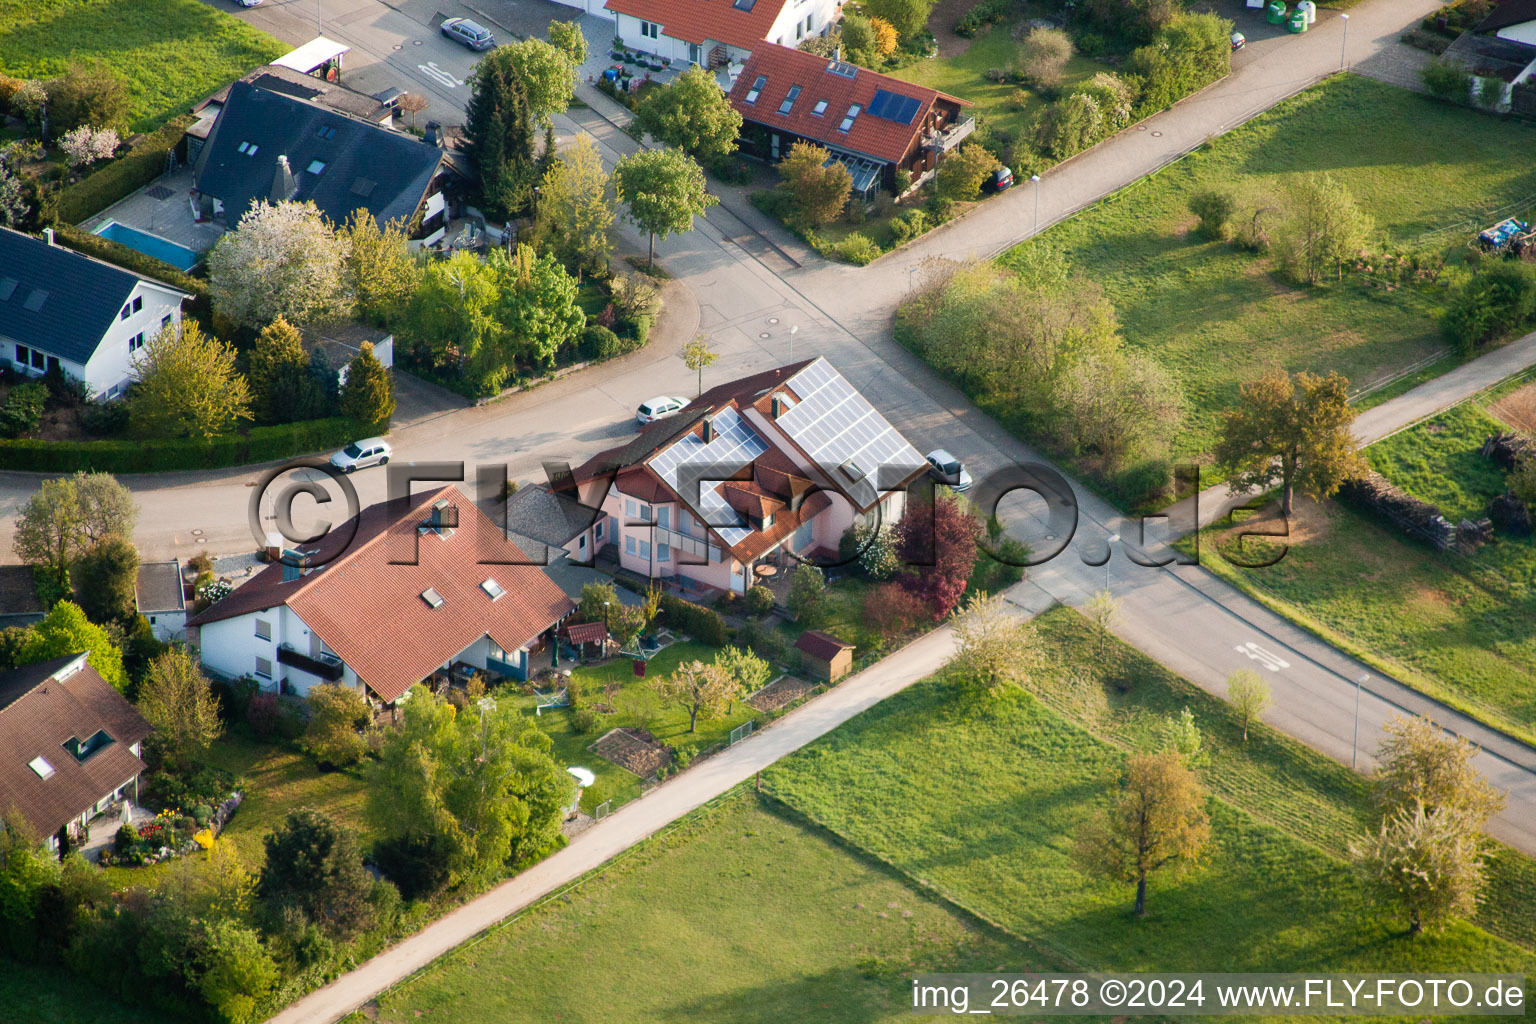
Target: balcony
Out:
[949,138]
[326,666]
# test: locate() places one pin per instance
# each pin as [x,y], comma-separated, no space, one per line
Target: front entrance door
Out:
[694,53]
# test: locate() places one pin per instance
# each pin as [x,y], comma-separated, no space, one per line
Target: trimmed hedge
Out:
[703,624]
[121,255]
[142,164]
[260,444]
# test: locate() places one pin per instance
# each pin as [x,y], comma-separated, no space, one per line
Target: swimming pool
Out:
[178,256]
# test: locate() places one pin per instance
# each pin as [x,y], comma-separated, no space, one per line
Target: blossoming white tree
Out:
[85,145]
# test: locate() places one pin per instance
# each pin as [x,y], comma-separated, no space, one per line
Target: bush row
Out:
[260,444]
[143,163]
[703,624]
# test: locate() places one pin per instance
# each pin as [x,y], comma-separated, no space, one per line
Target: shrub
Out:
[598,342]
[960,175]
[1448,79]
[583,719]
[984,15]
[764,641]
[1145,483]
[857,249]
[1214,208]
[126,836]
[1189,54]
[703,624]
[1043,56]
[262,714]
[890,610]
[23,409]
[417,864]
[759,600]
[1499,298]
[908,225]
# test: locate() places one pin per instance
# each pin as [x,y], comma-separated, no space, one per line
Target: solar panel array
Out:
[835,425]
[894,107]
[734,445]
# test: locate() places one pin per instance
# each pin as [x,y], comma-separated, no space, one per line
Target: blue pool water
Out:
[178,256]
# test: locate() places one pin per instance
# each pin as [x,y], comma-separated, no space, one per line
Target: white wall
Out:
[110,366]
[231,647]
[790,26]
[168,626]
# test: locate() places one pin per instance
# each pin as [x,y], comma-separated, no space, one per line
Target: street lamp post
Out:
[1036,179]
[1343,46]
[1354,744]
[910,271]
[1109,549]
[792,332]
[605,629]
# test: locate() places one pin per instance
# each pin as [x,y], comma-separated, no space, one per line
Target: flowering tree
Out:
[284,261]
[85,145]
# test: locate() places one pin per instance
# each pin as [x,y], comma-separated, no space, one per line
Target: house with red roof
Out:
[873,124]
[402,590]
[752,471]
[716,33]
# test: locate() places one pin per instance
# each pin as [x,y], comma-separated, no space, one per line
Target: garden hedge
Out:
[143,163]
[260,444]
[703,624]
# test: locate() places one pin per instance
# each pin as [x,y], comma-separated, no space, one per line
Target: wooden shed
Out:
[826,657]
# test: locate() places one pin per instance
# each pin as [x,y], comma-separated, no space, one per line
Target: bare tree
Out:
[993,646]
[413,103]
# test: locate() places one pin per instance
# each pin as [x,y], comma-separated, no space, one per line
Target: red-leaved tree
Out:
[936,539]
[892,611]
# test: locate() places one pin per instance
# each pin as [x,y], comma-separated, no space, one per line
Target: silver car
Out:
[473,35]
[947,469]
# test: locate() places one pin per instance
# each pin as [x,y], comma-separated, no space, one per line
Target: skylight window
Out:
[326,131]
[315,166]
[248,148]
[789,100]
[493,589]
[41,766]
[839,67]
[757,88]
[853,112]
[820,108]
[432,597]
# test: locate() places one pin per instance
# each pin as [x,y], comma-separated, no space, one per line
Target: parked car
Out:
[1238,41]
[249,3]
[1000,180]
[471,34]
[657,408]
[947,469]
[370,451]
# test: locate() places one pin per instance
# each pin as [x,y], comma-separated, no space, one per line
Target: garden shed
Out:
[826,657]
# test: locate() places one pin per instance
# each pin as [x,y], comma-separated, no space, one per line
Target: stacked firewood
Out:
[1375,493]
[1508,449]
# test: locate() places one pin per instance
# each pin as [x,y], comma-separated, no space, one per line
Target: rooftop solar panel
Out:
[734,445]
[893,106]
[836,425]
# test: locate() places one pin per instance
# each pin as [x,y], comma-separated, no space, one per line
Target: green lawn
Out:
[171,53]
[980,799]
[632,704]
[31,994]
[1215,316]
[1457,627]
[737,916]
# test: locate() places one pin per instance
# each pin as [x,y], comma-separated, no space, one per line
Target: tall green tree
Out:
[907,16]
[515,90]
[576,208]
[314,866]
[49,533]
[337,714]
[479,787]
[664,190]
[65,630]
[1428,863]
[817,190]
[1294,431]
[566,37]
[177,699]
[104,505]
[538,310]
[452,316]
[108,578]
[186,385]
[368,396]
[282,389]
[1158,824]
[1324,227]
[379,269]
[692,114]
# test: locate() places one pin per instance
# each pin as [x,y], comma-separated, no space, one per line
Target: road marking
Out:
[437,74]
[1269,659]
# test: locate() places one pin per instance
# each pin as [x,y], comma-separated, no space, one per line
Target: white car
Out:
[660,407]
[947,469]
[249,3]
[370,451]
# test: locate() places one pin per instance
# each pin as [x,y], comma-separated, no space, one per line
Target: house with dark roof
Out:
[271,146]
[161,597]
[401,591]
[774,464]
[873,124]
[551,525]
[69,744]
[1513,21]
[64,310]
[715,33]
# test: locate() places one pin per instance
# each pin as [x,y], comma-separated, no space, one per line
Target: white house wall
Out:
[111,365]
[231,647]
[790,27]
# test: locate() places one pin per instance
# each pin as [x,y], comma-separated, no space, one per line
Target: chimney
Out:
[778,406]
[432,133]
[274,547]
[48,235]
[709,429]
[283,185]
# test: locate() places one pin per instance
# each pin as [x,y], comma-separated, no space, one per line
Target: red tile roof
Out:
[821,646]
[368,608]
[40,713]
[696,21]
[874,136]
[586,632]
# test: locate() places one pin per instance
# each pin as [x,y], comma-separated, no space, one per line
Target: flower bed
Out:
[170,834]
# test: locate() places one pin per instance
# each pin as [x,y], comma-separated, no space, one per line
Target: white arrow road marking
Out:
[437,74]
[1269,659]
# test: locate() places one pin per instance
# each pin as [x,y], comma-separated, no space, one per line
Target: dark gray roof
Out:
[366,166]
[58,299]
[19,682]
[548,518]
[1510,12]
[159,588]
